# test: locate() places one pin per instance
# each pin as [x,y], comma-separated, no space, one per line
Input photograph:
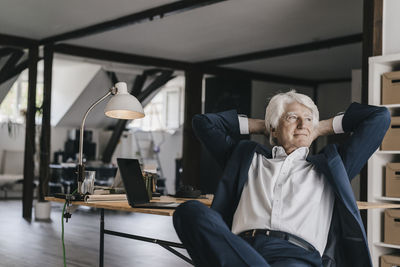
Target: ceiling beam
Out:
[288,50]
[15,71]
[260,76]
[159,81]
[10,64]
[7,51]
[119,57]
[336,80]
[107,55]
[15,41]
[139,17]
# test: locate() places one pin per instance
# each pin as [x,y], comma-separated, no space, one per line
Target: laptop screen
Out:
[132,178]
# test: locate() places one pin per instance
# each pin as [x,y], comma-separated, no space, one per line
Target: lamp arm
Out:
[81,168]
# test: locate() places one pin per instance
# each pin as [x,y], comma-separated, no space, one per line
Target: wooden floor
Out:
[39,243]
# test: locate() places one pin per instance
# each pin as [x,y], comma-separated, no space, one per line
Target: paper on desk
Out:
[103,198]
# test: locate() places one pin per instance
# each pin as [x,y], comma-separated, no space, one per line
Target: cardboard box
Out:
[390,260]
[391,141]
[391,88]
[392,226]
[392,180]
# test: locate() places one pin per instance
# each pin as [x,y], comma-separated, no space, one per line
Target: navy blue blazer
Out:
[347,243]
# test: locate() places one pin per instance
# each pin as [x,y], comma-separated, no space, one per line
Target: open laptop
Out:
[135,188]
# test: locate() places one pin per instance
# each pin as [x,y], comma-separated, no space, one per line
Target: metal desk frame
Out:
[165,244]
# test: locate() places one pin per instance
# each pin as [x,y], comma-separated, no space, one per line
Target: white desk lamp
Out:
[122,105]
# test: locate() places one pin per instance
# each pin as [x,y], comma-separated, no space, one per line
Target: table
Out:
[376,205]
[124,206]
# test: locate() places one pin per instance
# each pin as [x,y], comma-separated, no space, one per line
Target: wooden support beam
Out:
[191,146]
[251,75]
[16,41]
[139,17]
[337,80]
[107,55]
[160,81]
[27,195]
[288,50]
[9,66]
[45,137]
[372,46]
[16,71]
[7,51]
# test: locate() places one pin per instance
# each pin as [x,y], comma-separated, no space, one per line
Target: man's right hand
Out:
[324,128]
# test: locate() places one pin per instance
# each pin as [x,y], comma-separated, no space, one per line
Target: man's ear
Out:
[273,132]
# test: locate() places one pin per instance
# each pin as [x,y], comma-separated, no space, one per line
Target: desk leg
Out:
[101,260]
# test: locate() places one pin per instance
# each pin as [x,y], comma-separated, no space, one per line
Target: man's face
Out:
[295,128]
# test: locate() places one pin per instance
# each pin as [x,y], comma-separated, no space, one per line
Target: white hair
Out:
[276,108]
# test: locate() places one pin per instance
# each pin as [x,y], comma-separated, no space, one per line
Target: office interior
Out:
[178,58]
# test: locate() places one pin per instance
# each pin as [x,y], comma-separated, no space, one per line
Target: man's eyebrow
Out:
[294,113]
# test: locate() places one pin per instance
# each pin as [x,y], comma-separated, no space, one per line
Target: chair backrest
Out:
[12,162]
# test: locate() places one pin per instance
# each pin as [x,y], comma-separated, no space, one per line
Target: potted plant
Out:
[42,207]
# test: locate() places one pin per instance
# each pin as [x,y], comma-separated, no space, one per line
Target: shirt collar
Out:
[278,152]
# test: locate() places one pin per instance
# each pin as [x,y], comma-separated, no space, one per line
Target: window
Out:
[14,105]
[164,111]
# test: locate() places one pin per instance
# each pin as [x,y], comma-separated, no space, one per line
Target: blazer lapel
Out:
[249,154]
[321,163]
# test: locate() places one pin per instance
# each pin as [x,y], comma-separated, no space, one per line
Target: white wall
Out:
[16,141]
[390,27]
[70,78]
[170,149]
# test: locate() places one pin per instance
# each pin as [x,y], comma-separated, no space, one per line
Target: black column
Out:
[45,138]
[191,146]
[372,46]
[27,195]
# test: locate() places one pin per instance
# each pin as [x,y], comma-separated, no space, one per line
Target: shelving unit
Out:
[377,163]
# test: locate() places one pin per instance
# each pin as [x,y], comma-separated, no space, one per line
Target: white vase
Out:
[42,211]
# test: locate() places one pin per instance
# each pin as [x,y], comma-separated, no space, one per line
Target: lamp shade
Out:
[123,105]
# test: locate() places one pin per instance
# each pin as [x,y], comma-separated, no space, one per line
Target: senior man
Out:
[283,207]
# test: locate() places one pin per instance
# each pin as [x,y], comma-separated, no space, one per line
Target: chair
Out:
[12,168]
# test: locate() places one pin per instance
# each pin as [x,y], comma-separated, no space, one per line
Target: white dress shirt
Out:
[286,193]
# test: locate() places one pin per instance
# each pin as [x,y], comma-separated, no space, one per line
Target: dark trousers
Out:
[210,242]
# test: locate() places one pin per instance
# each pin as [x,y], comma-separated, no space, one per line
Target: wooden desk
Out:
[376,205]
[124,206]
